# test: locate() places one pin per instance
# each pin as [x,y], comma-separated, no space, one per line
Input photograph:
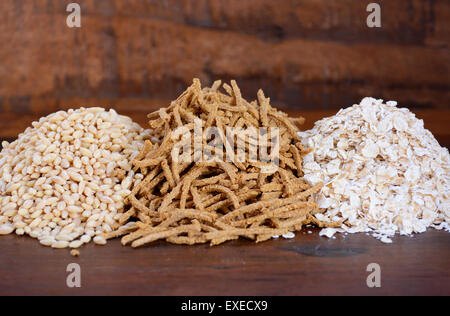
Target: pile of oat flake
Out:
[383,172]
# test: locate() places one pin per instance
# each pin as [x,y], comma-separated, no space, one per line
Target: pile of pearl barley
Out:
[64,179]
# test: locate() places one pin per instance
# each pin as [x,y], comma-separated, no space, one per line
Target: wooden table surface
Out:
[305,265]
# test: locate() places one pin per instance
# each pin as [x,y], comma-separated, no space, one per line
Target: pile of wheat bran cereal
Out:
[216,201]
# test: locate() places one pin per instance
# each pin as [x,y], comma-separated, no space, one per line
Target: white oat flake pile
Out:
[383,172]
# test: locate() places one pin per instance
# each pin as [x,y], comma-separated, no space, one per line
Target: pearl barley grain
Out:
[54,180]
[6,229]
[100,240]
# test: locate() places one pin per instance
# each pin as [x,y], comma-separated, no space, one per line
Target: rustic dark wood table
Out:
[305,265]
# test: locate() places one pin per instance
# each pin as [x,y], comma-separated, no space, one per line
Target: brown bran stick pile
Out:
[200,202]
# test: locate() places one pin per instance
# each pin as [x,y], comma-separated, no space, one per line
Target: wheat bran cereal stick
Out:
[287,162]
[321,224]
[271,195]
[245,232]
[220,188]
[127,215]
[165,234]
[270,187]
[298,121]
[292,222]
[168,173]
[174,167]
[211,180]
[275,203]
[289,191]
[229,169]
[170,197]
[242,197]
[183,240]
[187,182]
[252,108]
[118,233]
[216,85]
[177,117]
[140,233]
[148,146]
[297,159]
[197,199]
[286,211]
[246,177]
[250,120]
[236,92]
[178,215]
[232,108]
[264,108]
[211,199]
[218,241]
[152,184]
[212,116]
[284,120]
[148,162]
[138,205]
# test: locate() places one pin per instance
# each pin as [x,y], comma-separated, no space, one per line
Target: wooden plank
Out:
[439,33]
[128,55]
[404,21]
[305,265]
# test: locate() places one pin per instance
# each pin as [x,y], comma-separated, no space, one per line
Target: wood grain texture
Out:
[305,54]
[305,265]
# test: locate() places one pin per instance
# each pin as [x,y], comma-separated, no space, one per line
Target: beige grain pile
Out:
[384,173]
[213,202]
[64,179]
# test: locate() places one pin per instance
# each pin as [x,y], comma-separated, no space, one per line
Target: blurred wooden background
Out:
[310,56]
